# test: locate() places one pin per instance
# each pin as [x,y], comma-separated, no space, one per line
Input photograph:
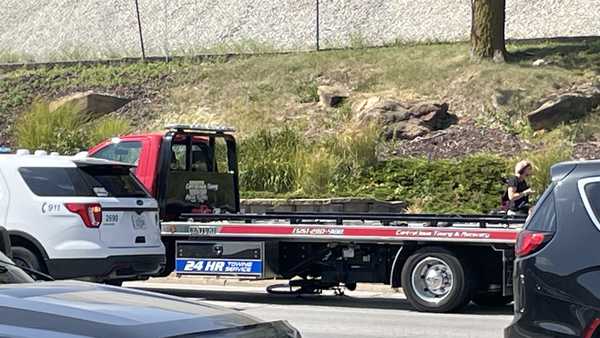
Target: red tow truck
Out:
[441,261]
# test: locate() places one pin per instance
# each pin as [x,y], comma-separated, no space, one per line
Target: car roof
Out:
[563,169]
[57,161]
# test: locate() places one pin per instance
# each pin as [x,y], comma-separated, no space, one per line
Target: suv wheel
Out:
[436,280]
[26,258]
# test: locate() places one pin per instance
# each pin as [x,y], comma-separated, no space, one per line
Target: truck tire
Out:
[492,299]
[435,279]
[26,258]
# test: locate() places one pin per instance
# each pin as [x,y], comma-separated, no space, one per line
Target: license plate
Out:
[111,218]
[139,222]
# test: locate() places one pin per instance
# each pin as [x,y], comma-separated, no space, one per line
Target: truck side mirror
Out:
[5,246]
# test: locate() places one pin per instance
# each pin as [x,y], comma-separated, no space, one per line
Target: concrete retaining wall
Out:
[259,206]
[75,29]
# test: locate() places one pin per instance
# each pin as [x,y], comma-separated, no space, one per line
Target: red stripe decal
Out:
[358,231]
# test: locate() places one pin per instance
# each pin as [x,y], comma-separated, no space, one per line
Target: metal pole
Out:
[137,10]
[318,27]
[166,30]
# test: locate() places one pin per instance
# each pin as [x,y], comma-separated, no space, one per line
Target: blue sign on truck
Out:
[219,266]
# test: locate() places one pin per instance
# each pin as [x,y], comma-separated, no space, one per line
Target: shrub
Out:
[105,128]
[316,172]
[469,185]
[284,161]
[63,130]
[59,130]
[268,160]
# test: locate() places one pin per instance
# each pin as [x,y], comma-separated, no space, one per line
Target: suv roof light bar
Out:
[212,128]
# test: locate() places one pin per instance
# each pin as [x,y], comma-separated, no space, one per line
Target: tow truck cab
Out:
[187,168]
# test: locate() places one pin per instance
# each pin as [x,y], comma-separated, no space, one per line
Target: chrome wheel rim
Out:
[432,280]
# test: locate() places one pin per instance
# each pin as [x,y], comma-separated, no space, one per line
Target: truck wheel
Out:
[26,258]
[436,280]
[492,299]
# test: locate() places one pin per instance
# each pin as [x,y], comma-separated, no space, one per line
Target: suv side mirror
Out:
[5,246]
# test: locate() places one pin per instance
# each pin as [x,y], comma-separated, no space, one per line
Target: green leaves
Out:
[63,130]
[468,185]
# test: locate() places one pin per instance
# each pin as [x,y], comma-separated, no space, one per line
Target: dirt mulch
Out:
[586,151]
[461,140]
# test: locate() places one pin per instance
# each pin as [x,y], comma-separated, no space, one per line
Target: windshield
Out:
[10,274]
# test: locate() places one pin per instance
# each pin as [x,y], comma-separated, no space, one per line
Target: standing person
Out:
[518,189]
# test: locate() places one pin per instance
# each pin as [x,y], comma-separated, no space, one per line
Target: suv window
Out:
[127,152]
[55,182]
[544,217]
[592,192]
[114,181]
[89,181]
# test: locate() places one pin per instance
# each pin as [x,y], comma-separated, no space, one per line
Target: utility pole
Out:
[137,10]
[318,27]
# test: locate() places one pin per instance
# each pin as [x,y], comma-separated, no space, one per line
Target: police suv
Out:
[79,217]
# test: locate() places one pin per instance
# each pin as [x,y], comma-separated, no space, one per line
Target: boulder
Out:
[406,130]
[92,104]
[381,110]
[401,120]
[437,120]
[330,96]
[564,108]
[394,116]
[426,108]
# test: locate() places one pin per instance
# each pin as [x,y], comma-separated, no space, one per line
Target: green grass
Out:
[291,146]
[251,92]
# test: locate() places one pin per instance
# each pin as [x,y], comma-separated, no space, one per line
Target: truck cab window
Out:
[200,158]
[127,152]
[178,157]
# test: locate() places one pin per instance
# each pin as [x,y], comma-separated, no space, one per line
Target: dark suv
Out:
[557,269]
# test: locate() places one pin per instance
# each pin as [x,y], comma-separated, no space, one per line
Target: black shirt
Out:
[520,204]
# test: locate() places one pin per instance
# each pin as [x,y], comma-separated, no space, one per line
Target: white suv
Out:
[75,217]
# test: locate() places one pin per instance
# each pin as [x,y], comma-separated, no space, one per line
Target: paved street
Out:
[357,314]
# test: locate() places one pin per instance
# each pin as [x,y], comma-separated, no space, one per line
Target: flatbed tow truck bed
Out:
[442,261]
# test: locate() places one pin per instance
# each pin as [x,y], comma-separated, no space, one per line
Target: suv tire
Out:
[27,258]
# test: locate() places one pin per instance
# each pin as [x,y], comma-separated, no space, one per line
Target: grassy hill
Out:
[272,100]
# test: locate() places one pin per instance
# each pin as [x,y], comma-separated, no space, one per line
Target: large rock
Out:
[380,109]
[92,104]
[403,121]
[564,108]
[330,96]
[406,130]
[425,108]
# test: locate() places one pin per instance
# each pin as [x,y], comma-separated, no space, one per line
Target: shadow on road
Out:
[333,301]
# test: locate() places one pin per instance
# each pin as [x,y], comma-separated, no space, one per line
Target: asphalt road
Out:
[356,314]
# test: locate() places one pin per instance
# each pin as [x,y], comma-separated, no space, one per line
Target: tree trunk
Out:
[487,29]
